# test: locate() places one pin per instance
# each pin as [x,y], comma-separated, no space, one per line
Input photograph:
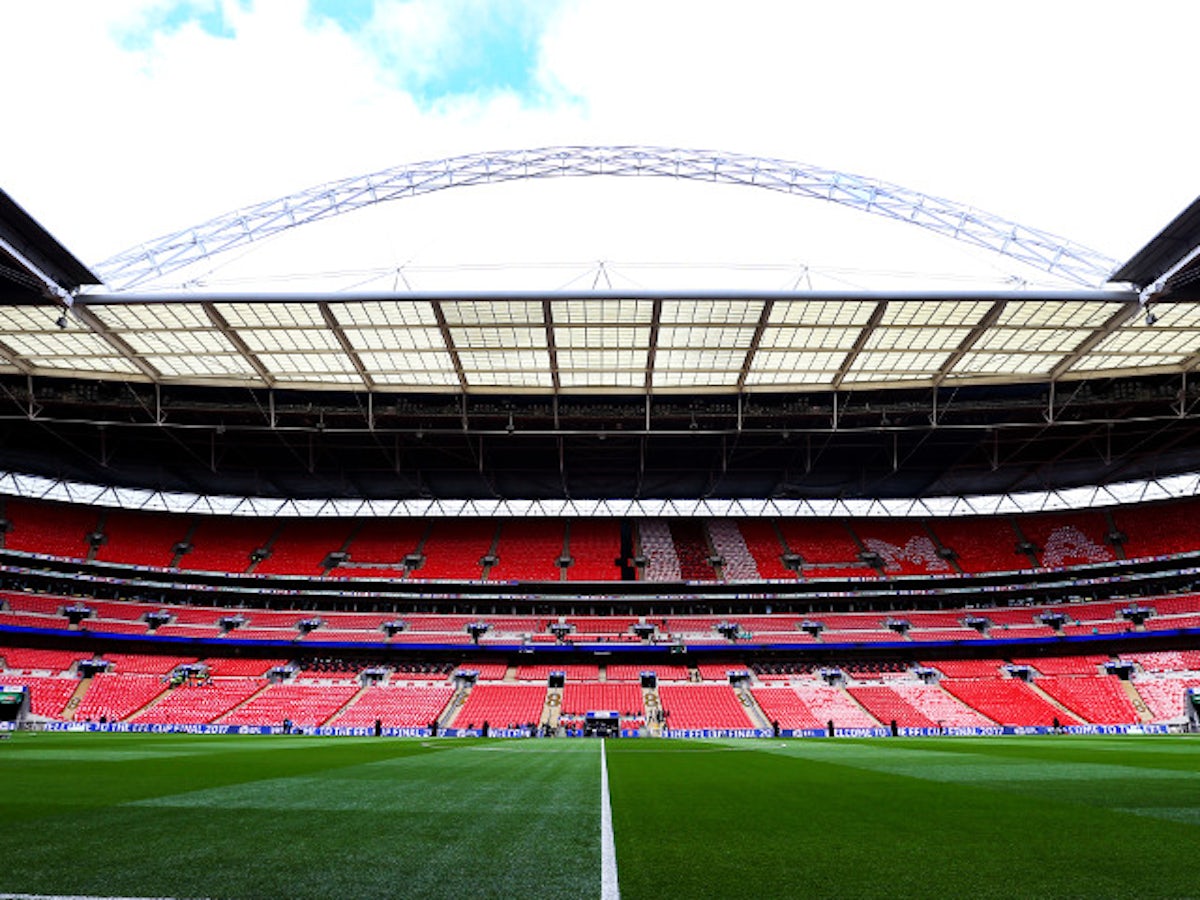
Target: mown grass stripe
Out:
[609,885]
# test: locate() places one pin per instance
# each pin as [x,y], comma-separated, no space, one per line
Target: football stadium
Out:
[640,591]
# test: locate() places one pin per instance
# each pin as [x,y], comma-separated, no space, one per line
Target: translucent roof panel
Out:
[389,338]
[202,366]
[701,380]
[535,343]
[498,338]
[390,363]
[272,315]
[601,312]
[809,338]
[498,312]
[1055,313]
[841,313]
[944,338]
[718,312]
[1031,340]
[292,365]
[285,340]
[601,337]
[384,314]
[685,336]
[999,365]
[934,313]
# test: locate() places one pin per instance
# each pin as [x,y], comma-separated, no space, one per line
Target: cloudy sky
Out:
[126,119]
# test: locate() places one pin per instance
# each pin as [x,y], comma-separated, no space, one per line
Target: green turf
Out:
[205,816]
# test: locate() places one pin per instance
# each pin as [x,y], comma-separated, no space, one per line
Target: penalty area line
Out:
[609,887]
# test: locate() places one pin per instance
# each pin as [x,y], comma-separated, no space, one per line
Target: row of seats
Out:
[673,550]
[43,611]
[143,697]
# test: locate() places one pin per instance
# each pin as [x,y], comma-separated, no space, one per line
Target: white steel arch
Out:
[1041,250]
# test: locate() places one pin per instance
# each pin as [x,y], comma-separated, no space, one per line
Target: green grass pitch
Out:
[241,817]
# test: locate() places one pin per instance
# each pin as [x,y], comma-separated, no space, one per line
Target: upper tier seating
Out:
[1158,529]
[904,545]
[528,550]
[658,548]
[692,550]
[730,545]
[827,547]
[982,544]
[225,545]
[454,549]
[699,706]
[594,546]
[762,542]
[675,549]
[141,539]
[302,546]
[52,529]
[1068,539]
[380,546]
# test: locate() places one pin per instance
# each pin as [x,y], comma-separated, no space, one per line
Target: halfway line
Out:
[609,889]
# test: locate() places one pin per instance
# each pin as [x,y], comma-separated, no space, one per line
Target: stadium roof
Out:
[592,342]
[563,394]
[602,342]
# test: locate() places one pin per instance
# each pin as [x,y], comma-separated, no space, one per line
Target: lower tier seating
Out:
[692,706]
[502,706]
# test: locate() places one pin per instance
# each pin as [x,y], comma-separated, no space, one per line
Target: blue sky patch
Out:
[351,15]
[493,56]
[208,14]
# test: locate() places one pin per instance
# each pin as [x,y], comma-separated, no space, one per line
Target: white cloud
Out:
[1061,115]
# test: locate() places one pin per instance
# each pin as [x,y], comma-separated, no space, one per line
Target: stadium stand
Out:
[594,546]
[501,706]
[699,706]
[455,549]
[1008,702]
[395,707]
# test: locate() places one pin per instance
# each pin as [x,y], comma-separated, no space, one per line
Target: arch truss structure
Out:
[1041,250]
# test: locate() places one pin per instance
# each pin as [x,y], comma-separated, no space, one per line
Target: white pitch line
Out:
[609,888]
[73,897]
